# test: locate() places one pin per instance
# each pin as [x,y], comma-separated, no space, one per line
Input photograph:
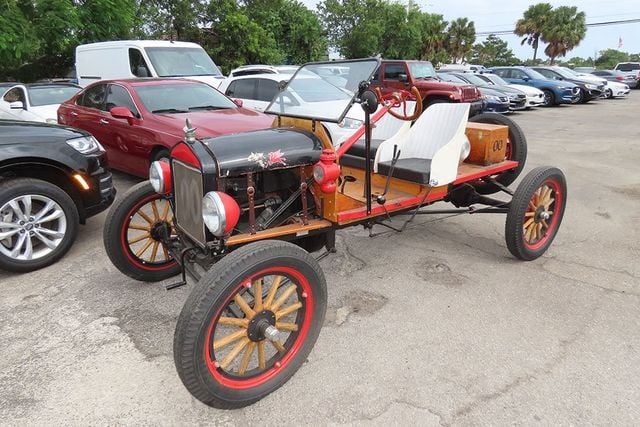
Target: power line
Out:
[593,24]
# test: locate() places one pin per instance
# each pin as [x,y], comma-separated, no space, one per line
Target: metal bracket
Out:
[252,211]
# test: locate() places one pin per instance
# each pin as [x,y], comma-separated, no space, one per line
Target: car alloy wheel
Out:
[32,226]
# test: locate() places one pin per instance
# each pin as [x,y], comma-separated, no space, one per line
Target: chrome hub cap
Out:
[31,227]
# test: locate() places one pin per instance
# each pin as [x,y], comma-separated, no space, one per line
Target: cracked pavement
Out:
[436,326]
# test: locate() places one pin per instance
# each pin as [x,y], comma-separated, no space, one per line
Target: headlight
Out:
[493,98]
[85,145]
[160,177]
[349,123]
[591,87]
[220,213]
[318,174]
[51,121]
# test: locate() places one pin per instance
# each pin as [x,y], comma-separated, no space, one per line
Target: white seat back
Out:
[438,135]
[388,125]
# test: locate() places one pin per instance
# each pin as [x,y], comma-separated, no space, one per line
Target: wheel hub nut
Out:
[271,333]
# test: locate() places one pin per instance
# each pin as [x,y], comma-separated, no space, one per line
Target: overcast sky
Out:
[496,15]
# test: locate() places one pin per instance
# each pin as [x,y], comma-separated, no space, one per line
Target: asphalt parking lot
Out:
[439,325]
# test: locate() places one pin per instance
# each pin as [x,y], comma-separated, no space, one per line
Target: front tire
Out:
[536,212]
[132,235]
[549,99]
[516,150]
[221,347]
[38,224]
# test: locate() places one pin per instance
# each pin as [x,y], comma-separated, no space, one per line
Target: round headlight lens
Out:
[318,174]
[156,177]
[213,213]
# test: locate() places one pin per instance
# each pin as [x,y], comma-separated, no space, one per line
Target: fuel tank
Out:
[261,150]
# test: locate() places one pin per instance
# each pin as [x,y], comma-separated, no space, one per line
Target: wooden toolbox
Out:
[488,143]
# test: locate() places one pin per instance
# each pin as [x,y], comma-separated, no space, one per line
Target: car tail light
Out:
[620,78]
[326,171]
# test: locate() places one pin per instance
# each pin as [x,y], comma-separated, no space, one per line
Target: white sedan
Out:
[535,97]
[258,90]
[616,90]
[35,102]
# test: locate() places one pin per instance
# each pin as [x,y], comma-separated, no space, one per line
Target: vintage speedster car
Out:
[241,214]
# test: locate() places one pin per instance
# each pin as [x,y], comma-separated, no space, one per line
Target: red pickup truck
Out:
[393,75]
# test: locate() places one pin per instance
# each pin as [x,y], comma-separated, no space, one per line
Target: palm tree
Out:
[434,35]
[462,34]
[531,24]
[563,31]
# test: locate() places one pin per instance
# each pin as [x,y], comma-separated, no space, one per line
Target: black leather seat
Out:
[357,153]
[411,169]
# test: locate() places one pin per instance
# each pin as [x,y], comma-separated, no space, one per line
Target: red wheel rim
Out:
[542,214]
[147,244]
[272,366]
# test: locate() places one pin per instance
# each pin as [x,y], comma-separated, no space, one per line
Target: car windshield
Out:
[181,61]
[564,73]
[536,75]
[314,93]
[628,67]
[182,98]
[475,80]
[450,78]
[422,70]
[50,95]
[494,78]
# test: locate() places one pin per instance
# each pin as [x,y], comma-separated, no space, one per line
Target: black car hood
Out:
[12,132]
[261,150]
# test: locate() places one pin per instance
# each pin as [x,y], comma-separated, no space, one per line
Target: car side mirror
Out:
[17,105]
[526,79]
[122,113]
[403,78]
[238,102]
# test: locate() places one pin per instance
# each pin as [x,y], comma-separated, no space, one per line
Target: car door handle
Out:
[74,114]
[104,121]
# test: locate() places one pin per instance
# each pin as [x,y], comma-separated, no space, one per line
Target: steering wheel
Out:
[400,98]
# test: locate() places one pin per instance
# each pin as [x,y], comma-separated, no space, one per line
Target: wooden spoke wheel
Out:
[133,234]
[536,212]
[250,323]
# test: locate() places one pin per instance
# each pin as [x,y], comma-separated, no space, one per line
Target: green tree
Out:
[493,52]
[531,25]
[105,20]
[234,39]
[610,57]
[564,30]
[17,39]
[434,38]
[402,36]
[461,35]
[296,29]
[354,27]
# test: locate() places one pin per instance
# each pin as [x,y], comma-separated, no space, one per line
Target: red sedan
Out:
[138,121]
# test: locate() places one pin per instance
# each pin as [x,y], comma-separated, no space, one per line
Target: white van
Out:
[125,59]
[463,68]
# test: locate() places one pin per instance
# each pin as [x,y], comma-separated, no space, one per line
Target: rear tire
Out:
[536,212]
[516,150]
[219,331]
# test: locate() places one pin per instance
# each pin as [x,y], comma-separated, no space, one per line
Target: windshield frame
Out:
[302,69]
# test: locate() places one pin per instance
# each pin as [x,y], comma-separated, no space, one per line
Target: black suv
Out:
[52,178]
[589,89]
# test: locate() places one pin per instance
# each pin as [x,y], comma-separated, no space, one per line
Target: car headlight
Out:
[51,121]
[220,213]
[349,123]
[590,86]
[85,145]
[160,177]
[493,98]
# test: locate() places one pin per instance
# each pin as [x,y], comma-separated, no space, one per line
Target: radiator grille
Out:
[188,194]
